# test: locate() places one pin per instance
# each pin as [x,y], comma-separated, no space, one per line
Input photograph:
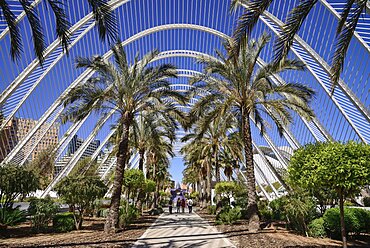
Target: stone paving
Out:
[182,230]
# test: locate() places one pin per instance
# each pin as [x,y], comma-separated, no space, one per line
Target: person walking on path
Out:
[178,205]
[170,205]
[183,205]
[190,205]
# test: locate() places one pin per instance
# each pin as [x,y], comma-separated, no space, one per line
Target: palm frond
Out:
[15,37]
[36,29]
[344,38]
[105,19]
[249,18]
[292,25]
[62,23]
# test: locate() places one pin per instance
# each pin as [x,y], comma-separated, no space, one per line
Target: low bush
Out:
[264,212]
[366,201]
[296,209]
[211,210]
[127,215]
[228,216]
[42,212]
[316,228]
[356,221]
[156,211]
[11,217]
[64,222]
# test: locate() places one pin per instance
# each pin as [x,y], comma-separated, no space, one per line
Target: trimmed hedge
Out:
[64,222]
[356,220]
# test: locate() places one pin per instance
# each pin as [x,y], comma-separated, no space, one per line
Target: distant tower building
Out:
[73,146]
[15,131]
[76,142]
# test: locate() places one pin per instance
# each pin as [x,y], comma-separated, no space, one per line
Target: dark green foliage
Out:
[366,201]
[42,212]
[15,181]
[64,222]
[211,210]
[316,228]
[228,216]
[264,211]
[127,214]
[149,186]
[11,217]
[80,194]
[277,208]
[134,179]
[297,209]
[156,211]
[356,221]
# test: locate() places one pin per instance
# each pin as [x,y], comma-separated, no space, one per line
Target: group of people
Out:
[180,205]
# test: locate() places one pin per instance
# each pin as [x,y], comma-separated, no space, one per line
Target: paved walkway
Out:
[182,230]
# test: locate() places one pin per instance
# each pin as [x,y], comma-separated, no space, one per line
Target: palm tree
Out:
[129,90]
[239,87]
[198,155]
[158,155]
[213,136]
[103,15]
[148,131]
[346,27]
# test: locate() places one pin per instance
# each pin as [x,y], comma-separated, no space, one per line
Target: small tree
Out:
[134,180]
[227,189]
[15,181]
[79,193]
[343,168]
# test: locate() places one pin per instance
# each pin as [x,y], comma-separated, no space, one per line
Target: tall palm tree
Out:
[148,130]
[213,135]
[239,87]
[346,27]
[198,155]
[158,155]
[129,90]
[103,15]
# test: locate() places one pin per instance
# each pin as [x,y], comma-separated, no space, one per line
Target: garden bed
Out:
[92,235]
[276,236]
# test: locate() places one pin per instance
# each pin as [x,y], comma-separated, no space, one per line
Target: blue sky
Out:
[176,168]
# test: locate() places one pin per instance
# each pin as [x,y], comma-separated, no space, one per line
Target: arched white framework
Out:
[357,125]
[87,73]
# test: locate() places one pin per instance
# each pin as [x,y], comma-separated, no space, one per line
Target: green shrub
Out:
[64,222]
[356,221]
[42,212]
[316,228]
[127,214]
[263,211]
[277,209]
[211,210]
[297,209]
[11,217]
[366,201]
[228,216]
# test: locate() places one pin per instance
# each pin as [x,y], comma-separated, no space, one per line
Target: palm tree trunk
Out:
[209,180]
[141,160]
[141,194]
[252,209]
[112,221]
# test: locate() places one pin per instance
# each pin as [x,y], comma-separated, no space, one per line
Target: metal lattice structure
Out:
[182,31]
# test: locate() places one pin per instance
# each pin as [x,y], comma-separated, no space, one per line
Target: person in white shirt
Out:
[190,205]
